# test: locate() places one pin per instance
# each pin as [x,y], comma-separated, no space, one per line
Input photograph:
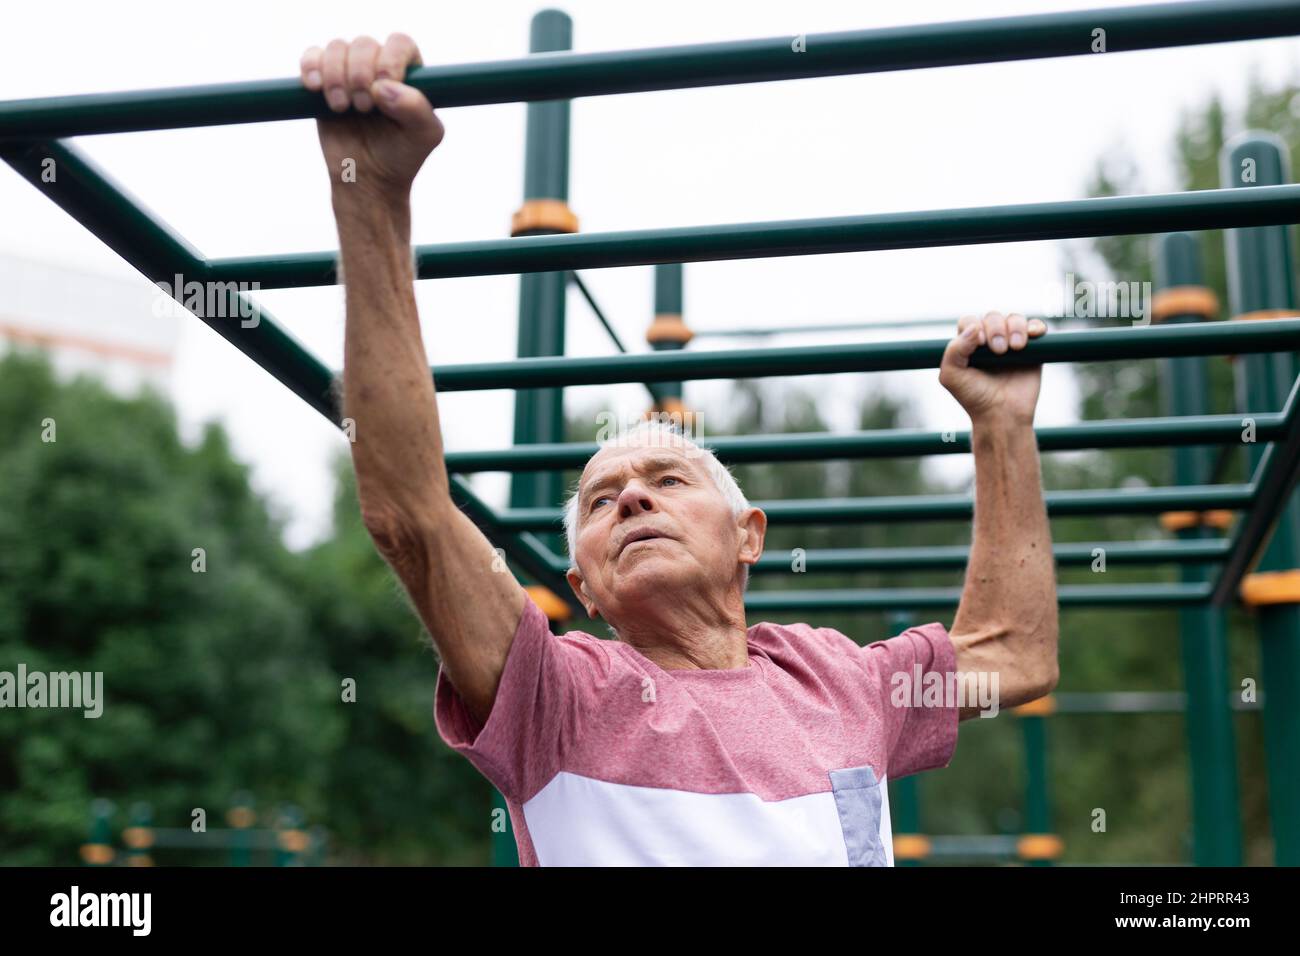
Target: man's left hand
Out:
[985,393]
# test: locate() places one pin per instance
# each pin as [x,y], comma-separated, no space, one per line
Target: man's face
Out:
[650,522]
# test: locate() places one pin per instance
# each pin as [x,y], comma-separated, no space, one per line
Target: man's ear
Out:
[752,526]
[574,577]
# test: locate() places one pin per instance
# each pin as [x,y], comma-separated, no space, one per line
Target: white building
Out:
[88,323]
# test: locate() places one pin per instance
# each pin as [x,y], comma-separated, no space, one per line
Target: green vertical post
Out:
[1260,278]
[318,838]
[139,836]
[290,838]
[667,333]
[1038,802]
[98,849]
[539,413]
[904,794]
[240,817]
[1216,815]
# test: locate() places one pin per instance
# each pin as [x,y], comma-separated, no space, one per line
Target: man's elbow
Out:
[1026,662]
[1045,673]
[1020,656]
[1045,681]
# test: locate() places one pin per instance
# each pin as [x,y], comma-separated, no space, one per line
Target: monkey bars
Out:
[33,141]
[152,247]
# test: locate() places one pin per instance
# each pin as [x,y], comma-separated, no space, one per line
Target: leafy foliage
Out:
[217,681]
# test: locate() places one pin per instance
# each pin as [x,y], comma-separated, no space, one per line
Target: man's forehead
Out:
[611,457]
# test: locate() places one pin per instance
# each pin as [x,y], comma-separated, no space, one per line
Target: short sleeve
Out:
[548,688]
[915,672]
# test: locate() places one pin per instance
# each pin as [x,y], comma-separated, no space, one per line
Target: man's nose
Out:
[635,498]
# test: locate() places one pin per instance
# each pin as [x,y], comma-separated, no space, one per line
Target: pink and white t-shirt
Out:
[606,759]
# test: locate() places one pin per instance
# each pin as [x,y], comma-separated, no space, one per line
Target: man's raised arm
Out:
[373,147]
[1007,621]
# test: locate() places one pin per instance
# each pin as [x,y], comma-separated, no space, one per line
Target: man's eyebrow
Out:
[657,463]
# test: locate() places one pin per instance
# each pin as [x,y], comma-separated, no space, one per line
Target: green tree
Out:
[211,681]
[396,794]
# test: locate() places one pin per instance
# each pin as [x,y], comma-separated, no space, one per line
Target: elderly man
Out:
[695,737]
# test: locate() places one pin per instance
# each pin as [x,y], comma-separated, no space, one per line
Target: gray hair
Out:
[656,431]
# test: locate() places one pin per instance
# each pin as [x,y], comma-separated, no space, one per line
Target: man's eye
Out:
[668,478]
[596,501]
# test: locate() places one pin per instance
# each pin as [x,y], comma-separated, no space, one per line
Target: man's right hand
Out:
[384,130]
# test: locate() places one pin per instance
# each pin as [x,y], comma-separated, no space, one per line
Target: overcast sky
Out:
[963,136]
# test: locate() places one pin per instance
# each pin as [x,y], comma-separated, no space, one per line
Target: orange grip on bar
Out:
[1178,520]
[668,327]
[1043,707]
[1271,587]
[553,215]
[1184,300]
[1040,846]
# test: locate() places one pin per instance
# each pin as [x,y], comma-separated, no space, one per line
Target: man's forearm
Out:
[387,387]
[1008,610]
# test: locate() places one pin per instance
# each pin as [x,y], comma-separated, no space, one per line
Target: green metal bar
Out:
[955,557]
[539,414]
[142,822]
[1275,477]
[243,836]
[91,197]
[1261,276]
[1086,345]
[289,819]
[668,301]
[597,311]
[1136,702]
[669,296]
[951,507]
[244,840]
[896,443]
[1212,750]
[1038,804]
[1071,219]
[918,323]
[974,847]
[885,599]
[925,46]
[98,848]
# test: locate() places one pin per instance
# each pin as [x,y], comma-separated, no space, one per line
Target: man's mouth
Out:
[638,536]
